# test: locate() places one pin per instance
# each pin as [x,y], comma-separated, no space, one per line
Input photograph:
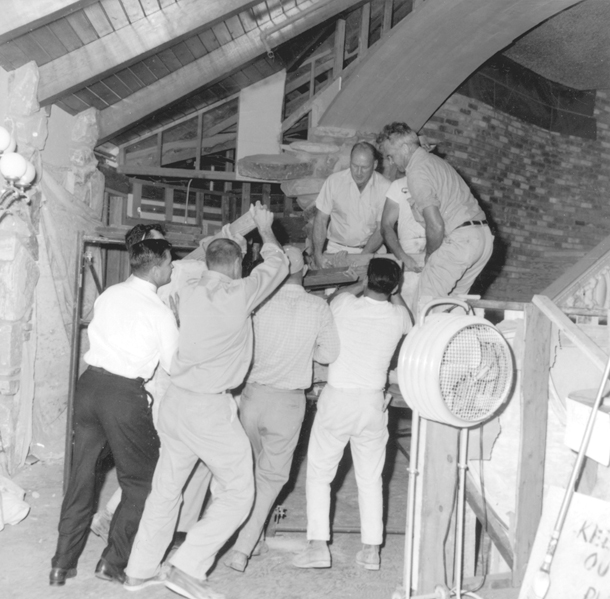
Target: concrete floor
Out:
[26,549]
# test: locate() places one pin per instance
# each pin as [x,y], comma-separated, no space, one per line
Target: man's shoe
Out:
[137,584]
[317,555]
[100,525]
[236,560]
[57,576]
[106,571]
[260,548]
[368,557]
[188,586]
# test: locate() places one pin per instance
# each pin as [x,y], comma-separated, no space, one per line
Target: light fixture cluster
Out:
[18,172]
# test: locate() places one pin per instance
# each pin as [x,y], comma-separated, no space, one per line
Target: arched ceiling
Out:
[428,55]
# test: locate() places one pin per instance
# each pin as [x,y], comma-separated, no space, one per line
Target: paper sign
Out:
[581,566]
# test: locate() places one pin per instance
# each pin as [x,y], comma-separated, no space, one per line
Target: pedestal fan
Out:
[456,369]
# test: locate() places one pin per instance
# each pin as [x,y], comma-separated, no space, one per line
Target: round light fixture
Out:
[13,166]
[7,142]
[29,175]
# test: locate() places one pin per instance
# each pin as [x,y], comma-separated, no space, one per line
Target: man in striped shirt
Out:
[290,329]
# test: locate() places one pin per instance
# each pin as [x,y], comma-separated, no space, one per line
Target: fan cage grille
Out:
[475,374]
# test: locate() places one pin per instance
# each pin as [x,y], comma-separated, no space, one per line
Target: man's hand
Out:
[262,216]
[321,262]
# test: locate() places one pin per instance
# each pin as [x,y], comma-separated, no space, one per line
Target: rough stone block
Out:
[31,132]
[274,167]
[23,90]
[298,187]
[18,280]
[8,246]
[306,201]
[10,347]
[86,130]
[8,386]
[314,148]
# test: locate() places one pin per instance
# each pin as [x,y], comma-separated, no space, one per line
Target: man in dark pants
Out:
[132,331]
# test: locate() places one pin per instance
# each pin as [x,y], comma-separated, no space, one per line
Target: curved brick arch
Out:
[428,55]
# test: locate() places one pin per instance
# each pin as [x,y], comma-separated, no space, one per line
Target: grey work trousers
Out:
[272,419]
[195,426]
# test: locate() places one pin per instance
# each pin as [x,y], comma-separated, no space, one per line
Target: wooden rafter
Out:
[128,45]
[212,66]
[19,17]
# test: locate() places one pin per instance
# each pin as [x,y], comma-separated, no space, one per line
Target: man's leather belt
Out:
[468,223]
[101,370]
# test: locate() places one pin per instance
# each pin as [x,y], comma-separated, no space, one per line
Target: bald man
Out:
[350,205]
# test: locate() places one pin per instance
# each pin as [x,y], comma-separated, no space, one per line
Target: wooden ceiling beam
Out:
[19,17]
[128,45]
[213,66]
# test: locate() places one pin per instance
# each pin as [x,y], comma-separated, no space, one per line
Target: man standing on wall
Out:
[290,329]
[352,409]
[131,332]
[352,200]
[198,416]
[458,240]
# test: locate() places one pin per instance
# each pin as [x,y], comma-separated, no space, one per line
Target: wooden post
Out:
[199,138]
[388,8]
[365,19]
[312,78]
[169,205]
[137,199]
[159,155]
[532,443]
[287,206]
[339,47]
[436,490]
[245,197]
[267,195]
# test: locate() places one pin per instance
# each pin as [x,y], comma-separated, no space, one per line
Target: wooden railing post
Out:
[532,443]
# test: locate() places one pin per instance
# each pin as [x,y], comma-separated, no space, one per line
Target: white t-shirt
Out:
[411,235]
[369,331]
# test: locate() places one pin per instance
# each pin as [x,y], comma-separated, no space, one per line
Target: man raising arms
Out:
[198,417]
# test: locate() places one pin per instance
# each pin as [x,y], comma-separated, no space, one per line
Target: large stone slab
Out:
[299,187]
[274,167]
[307,201]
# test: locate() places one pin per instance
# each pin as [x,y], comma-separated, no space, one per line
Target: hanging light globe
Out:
[29,175]
[13,166]
[7,141]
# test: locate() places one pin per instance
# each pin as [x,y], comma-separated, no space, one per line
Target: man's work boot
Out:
[368,557]
[317,555]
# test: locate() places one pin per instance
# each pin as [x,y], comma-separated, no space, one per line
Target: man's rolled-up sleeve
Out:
[327,342]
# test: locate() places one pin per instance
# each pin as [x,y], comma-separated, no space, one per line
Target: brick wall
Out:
[548,195]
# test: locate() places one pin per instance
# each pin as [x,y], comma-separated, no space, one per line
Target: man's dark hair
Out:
[365,146]
[397,129]
[222,253]
[143,255]
[141,232]
[383,275]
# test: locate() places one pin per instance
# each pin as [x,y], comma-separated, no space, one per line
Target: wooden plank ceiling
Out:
[146,63]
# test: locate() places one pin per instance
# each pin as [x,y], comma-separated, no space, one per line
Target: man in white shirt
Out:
[404,236]
[290,329]
[132,331]
[352,202]
[352,409]
[198,416]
